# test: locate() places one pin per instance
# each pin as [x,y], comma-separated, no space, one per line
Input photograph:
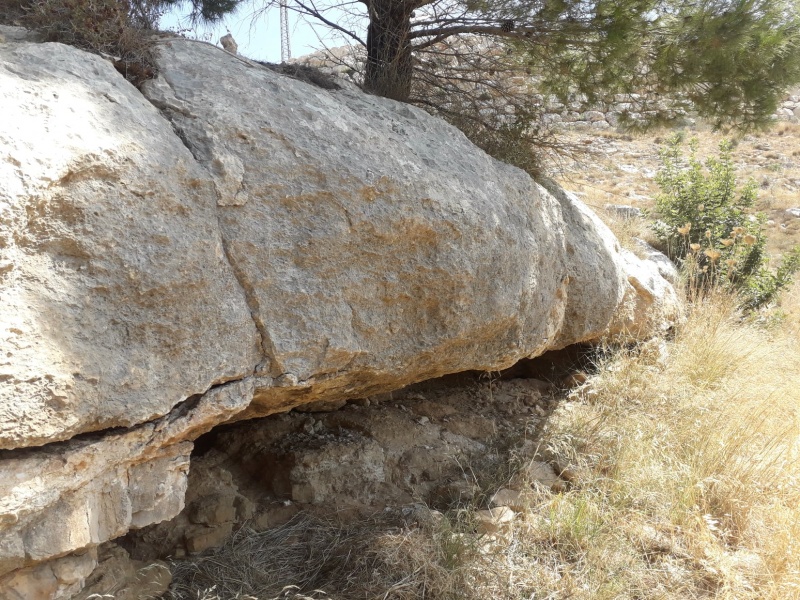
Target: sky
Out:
[257,35]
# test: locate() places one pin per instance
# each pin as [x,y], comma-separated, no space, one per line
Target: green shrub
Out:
[707,230]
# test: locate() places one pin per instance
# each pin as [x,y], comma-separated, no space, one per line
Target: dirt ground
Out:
[440,443]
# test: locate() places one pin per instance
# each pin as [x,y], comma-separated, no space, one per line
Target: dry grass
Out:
[382,557]
[688,460]
[789,308]
[119,30]
[699,453]
[687,455]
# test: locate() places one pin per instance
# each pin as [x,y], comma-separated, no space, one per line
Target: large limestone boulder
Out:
[376,244]
[116,299]
[242,244]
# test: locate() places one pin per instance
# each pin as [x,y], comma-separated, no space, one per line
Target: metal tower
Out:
[286,51]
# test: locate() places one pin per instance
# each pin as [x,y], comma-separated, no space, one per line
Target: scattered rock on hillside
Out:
[493,521]
[361,460]
[537,474]
[518,500]
[623,211]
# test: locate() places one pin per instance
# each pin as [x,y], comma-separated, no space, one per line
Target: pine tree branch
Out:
[314,12]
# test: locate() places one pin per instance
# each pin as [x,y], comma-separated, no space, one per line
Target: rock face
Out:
[116,299]
[242,244]
[377,246]
[78,494]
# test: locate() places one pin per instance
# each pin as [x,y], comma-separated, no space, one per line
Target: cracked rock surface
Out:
[119,302]
[78,494]
[378,247]
[231,243]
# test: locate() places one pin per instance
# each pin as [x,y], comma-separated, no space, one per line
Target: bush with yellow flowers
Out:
[706,227]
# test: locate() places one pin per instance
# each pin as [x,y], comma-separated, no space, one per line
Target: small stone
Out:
[203,538]
[594,116]
[623,211]
[245,508]
[575,379]
[491,521]
[423,515]
[569,475]
[794,212]
[214,510]
[229,43]
[535,473]
[152,581]
[455,492]
[514,499]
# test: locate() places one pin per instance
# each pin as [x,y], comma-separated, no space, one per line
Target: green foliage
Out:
[765,287]
[516,139]
[90,24]
[706,228]
[728,61]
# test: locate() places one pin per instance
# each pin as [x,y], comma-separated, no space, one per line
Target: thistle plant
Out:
[707,229]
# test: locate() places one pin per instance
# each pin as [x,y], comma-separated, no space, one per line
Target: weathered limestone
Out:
[376,244]
[75,495]
[595,269]
[650,301]
[59,578]
[116,298]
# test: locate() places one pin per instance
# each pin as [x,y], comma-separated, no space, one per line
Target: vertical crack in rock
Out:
[203,155]
[268,362]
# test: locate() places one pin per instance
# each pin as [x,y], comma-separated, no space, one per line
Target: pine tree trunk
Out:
[389,65]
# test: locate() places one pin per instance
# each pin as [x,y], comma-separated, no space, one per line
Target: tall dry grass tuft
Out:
[701,455]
